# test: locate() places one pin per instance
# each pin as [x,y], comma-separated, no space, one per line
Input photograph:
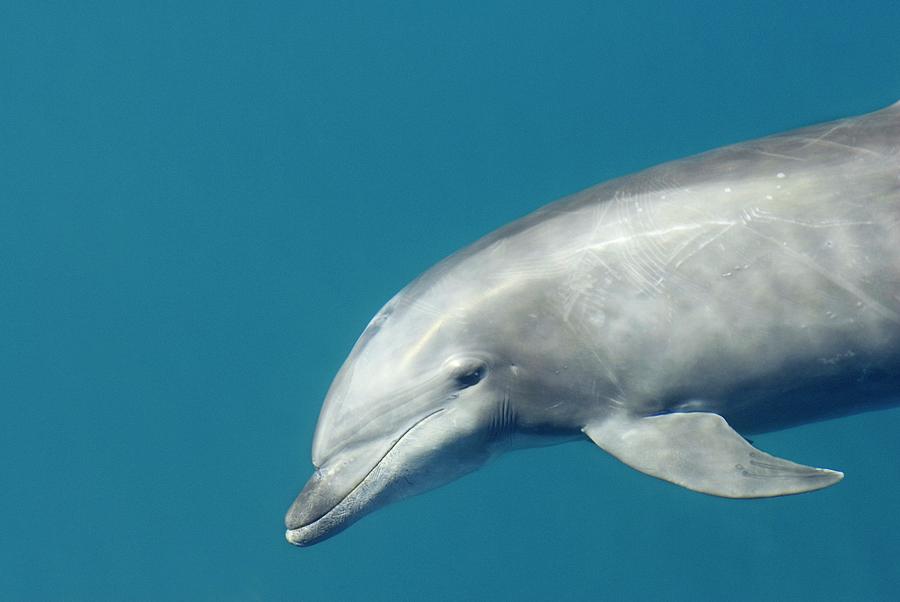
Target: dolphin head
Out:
[416,404]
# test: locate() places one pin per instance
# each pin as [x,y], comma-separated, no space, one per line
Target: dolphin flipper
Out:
[699,451]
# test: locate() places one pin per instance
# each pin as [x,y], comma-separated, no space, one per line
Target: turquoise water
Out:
[202,204]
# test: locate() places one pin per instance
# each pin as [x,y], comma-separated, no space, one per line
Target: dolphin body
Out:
[663,315]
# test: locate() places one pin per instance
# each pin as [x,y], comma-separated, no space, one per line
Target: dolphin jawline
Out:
[307,534]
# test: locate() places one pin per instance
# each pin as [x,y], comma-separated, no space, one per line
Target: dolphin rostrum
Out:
[663,315]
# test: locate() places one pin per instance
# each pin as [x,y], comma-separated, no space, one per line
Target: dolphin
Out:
[665,316]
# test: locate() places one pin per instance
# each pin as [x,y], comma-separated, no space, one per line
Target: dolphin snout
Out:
[313,502]
[321,509]
[336,496]
[327,488]
[306,520]
[295,537]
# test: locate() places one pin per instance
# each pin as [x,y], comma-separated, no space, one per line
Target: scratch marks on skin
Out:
[823,140]
[698,242]
[581,285]
[646,256]
[777,155]
[837,126]
[629,241]
[760,215]
[841,283]
[855,149]
[600,218]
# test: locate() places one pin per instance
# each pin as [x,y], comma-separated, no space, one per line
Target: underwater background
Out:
[202,205]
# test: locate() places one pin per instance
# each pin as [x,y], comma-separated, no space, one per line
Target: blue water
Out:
[202,204]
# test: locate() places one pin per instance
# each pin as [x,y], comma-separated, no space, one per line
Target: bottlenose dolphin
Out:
[664,315]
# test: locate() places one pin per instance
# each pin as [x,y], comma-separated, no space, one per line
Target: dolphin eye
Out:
[468,374]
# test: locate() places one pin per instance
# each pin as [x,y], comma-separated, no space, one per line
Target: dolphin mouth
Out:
[305,531]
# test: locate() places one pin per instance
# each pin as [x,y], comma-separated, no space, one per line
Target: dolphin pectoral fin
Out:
[699,451]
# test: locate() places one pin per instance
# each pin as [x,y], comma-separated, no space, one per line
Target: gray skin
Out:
[748,289]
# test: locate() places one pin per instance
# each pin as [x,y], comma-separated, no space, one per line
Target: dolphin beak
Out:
[295,537]
[313,502]
[328,487]
[335,496]
[322,494]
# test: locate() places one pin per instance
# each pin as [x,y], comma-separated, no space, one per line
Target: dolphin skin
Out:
[664,316]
